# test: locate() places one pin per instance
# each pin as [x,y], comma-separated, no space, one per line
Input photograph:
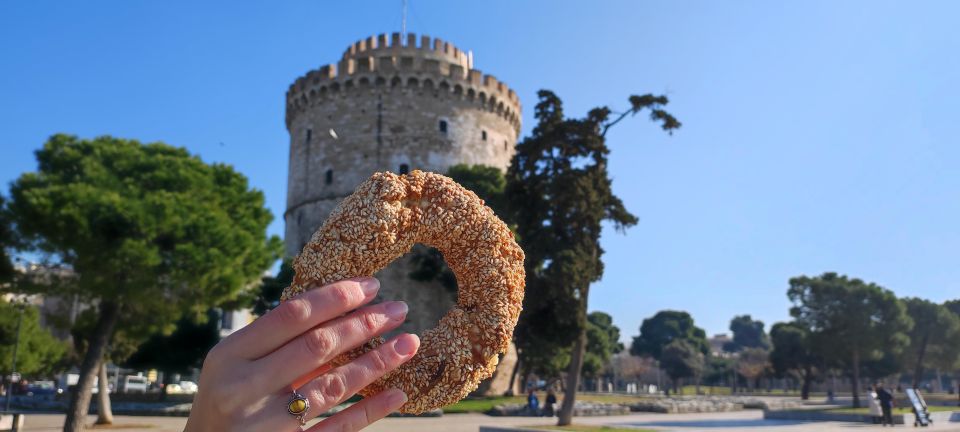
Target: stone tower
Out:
[395,105]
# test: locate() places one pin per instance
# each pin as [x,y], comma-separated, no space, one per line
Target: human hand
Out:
[248,378]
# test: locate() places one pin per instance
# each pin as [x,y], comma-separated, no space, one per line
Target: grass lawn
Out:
[898,410]
[479,405]
[584,428]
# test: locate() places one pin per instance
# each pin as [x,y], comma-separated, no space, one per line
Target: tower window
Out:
[483,135]
[309,135]
[443,126]
[505,145]
[404,168]
[329,176]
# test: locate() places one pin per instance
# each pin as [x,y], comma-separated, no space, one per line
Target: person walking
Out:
[886,405]
[533,404]
[875,412]
[550,404]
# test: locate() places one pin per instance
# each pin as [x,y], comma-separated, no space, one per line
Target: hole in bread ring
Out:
[381,221]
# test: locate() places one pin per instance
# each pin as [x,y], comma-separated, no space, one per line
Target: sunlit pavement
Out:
[736,421]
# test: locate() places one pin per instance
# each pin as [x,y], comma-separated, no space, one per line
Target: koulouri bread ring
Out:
[381,221]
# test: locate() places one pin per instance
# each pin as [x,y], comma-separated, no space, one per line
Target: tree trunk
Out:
[104,411]
[856,379]
[807,378]
[513,376]
[565,417]
[938,387]
[918,368]
[80,398]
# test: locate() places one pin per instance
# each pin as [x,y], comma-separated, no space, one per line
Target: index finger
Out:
[299,314]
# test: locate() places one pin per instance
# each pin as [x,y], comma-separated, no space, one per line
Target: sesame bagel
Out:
[381,221]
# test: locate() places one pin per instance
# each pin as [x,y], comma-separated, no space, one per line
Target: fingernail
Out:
[370,286]
[396,397]
[406,344]
[396,309]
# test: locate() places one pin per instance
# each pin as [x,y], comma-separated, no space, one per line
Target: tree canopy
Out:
[6,243]
[603,341]
[681,359]
[747,333]
[39,354]
[793,353]
[935,330]
[665,327]
[751,363]
[150,231]
[849,319]
[181,350]
[560,193]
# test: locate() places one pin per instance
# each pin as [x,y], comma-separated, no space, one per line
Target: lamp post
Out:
[16,347]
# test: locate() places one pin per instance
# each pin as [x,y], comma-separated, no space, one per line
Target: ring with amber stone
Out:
[298,407]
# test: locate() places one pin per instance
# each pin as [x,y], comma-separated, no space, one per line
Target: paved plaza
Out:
[751,420]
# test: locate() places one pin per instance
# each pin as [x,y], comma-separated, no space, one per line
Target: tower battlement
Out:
[433,67]
[396,45]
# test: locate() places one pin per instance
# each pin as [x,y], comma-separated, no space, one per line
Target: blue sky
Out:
[818,136]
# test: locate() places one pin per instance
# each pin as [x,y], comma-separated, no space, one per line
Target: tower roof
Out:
[379,59]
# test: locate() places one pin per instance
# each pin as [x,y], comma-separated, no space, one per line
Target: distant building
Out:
[716,345]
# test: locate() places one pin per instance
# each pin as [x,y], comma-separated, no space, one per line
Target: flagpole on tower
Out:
[403,21]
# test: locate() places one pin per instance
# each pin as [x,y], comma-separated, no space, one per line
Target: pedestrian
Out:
[886,405]
[533,404]
[550,405]
[875,412]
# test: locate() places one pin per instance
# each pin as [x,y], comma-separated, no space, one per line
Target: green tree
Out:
[559,193]
[181,350]
[667,326]
[487,182]
[934,326]
[953,306]
[751,363]
[39,354]
[793,353]
[603,341]
[151,232]
[881,366]
[747,333]
[949,359]
[6,243]
[680,359]
[717,370]
[851,320]
[271,287]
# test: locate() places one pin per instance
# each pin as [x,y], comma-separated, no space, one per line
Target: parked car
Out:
[38,388]
[189,387]
[183,387]
[134,384]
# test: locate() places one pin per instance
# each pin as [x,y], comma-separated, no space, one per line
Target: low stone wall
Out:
[673,406]
[695,404]
[580,409]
